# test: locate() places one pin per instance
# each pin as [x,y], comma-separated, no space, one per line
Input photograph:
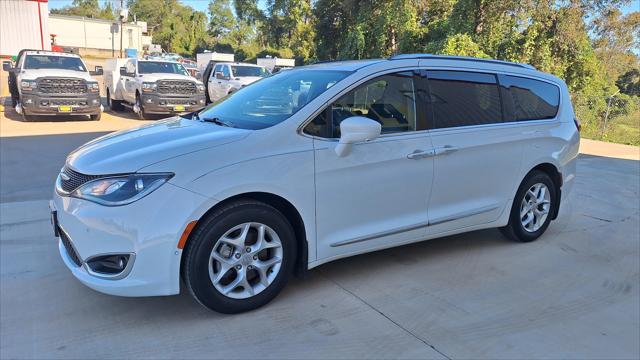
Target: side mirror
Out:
[98,71]
[219,75]
[123,71]
[356,129]
[6,66]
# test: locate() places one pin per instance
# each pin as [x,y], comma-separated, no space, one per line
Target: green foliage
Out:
[461,45]
[629,82]
[88,8]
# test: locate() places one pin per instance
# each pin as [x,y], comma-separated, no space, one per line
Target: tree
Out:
[629,82]
[221,19]
[87,8]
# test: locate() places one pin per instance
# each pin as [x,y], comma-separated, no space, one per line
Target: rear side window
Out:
[528,99]
[460,98]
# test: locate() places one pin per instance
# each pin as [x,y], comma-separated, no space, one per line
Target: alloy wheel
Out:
[245,260]
[535,206]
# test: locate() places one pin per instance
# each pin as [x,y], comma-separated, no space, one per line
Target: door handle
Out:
[447,149]
[420,154]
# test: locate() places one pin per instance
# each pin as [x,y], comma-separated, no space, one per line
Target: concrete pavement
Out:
[574,293]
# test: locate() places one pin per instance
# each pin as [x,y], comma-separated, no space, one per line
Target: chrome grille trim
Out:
[71,179]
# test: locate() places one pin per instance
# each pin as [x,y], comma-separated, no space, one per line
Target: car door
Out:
[216,87]
[129,84]
[477,154]
[375,196]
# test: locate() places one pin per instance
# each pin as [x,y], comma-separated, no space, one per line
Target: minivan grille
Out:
[176,87]
[75,179]
[61,86]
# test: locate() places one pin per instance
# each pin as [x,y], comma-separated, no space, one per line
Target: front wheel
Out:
[96,117]
[532,206]
[139,109]
[239,257]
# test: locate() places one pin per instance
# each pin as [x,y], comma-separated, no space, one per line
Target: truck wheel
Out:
[141,114]
[115,105]
[25,116]
[95,117]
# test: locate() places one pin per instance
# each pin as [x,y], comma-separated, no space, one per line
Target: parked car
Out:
[191,67]
[312,165]
[227,78]
[52,83]
[152,87]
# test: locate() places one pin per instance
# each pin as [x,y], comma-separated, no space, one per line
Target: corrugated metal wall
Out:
[20,26]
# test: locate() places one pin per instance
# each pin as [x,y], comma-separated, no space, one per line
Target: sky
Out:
[201,5]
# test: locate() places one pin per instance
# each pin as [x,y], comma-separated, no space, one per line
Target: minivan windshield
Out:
[155,67]
[271,100]
[53,62]
[241,71]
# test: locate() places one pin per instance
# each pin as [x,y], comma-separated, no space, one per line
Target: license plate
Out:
[178,108]
[54,222]
[64,108]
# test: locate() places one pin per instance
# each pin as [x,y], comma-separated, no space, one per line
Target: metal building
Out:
[23,25]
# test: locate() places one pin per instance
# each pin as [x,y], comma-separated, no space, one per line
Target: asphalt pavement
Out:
[574,293]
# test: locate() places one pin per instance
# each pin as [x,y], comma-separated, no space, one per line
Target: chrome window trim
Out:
[300,129]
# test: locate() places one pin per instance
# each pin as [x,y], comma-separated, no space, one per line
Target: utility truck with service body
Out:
[152,87]
[51,83]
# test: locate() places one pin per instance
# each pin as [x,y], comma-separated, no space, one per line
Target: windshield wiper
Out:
[217,121]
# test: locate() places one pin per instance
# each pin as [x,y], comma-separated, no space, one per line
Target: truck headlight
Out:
[28,85]
[200,88]
[149,87]
[121,190]
[93,87]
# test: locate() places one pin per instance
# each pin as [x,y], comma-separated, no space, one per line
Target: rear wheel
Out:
[115,105]
[239,257]
[531,209]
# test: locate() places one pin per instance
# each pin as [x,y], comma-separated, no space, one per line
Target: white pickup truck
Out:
[52,83]
[229,77]
[151,87]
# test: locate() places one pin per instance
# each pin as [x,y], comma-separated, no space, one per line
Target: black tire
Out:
[195,269]
[115,105]
[514,229]
[141,114]
[26,117]
[96,117]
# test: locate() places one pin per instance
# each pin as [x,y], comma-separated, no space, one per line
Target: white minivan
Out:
[315,164]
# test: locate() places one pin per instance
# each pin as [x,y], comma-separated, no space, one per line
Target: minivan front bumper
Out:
[147,231]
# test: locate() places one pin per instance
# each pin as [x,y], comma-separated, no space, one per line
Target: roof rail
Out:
[462,58]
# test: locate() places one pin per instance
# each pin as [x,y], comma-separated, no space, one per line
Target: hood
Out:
[246,80]
[130,150]
[33,74]
[164,76]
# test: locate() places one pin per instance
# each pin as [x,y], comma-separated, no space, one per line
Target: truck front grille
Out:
[176,87]
[62,86]
[75,179]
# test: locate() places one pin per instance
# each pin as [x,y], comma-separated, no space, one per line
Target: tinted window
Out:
[528,99]
[53,62]
[463,98]
[249,71]
[272,100]
[388,99]
[155,67]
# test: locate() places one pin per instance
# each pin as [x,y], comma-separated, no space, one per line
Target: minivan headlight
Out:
[121,190]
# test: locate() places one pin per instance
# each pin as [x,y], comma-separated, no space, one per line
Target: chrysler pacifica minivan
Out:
[311,165]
